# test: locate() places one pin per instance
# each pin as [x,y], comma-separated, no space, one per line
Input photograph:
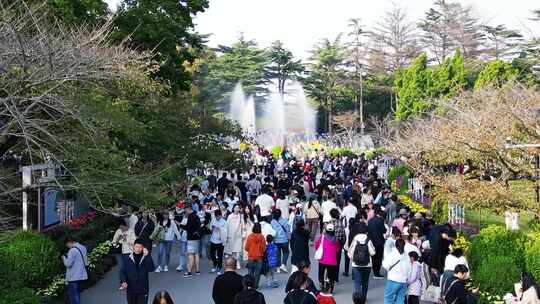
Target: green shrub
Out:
[532,255]
[394,172]
[439,209]
[497,274]
[496,258]
[342,152]
[276,152]
[21,295]
[29,258]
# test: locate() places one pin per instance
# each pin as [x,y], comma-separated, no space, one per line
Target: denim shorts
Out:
[193,246]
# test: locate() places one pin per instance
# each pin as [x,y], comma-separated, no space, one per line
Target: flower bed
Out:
[411,204]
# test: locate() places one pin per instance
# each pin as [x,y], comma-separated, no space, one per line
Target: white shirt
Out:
[451,262]
[265,203]
[398,267]
[326,207]
[349,212]
[283,205]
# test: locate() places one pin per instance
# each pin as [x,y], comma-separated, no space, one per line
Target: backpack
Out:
[444,292]
[272,255]
[361,253]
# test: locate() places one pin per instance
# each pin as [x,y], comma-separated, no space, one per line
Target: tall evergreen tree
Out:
[500,41]
[449,25]
[325,75]
[282,66]
[166,28]
[242,62]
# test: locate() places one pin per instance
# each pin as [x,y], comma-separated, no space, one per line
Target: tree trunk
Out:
[330,120]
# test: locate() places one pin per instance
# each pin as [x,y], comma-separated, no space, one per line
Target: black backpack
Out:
[361,254]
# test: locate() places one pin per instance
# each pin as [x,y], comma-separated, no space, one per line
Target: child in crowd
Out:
[325,296]
[272,261]
[414,281]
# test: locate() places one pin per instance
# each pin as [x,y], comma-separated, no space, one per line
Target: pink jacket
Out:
[330,250]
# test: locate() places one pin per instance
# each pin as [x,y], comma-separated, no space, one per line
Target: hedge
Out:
[496,257]
[28,259]
[532,255]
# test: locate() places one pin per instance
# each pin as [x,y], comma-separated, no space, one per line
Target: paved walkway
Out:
[198,289]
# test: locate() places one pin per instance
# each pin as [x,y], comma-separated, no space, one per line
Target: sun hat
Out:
[403,212]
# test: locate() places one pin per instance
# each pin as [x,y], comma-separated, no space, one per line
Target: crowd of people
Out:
[266,220]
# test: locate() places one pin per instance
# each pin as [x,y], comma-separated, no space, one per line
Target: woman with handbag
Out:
[327,248]
[164,234]
[123,241]
[398,267]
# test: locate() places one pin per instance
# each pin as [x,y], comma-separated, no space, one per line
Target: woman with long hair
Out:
[299,245]
[170,231]
[162,297]
[235,224]
[530,292]
[249,221]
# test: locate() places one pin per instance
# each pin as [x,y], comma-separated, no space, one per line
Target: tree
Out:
[473,129]
[282,66]
[496,74]
[73,12]
[164,27]
[448,26]
[325,74]
[355,58]
[501,42]
[449,78]
[398,35]
[242,62]
[347,123]
[413,87]
[418,84]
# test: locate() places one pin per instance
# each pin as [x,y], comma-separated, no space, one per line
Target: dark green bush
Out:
[29,258]
[496,258]
[497,274]
[21,295]
[532,255]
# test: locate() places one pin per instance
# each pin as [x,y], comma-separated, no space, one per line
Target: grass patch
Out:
[484,218]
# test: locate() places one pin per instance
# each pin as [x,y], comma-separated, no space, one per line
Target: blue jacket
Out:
[137,277]
[75,261]
[272,255]
[282,230]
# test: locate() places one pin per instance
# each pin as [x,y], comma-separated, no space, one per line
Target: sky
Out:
[300,24]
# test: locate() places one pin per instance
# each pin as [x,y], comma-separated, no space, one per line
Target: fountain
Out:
[285,118]
[242,110]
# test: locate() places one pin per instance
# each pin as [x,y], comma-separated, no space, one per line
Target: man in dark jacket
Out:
[249,295]
[376,231]
[227,285]
[440,239]
[193,229]
[453,289]
[134,275]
